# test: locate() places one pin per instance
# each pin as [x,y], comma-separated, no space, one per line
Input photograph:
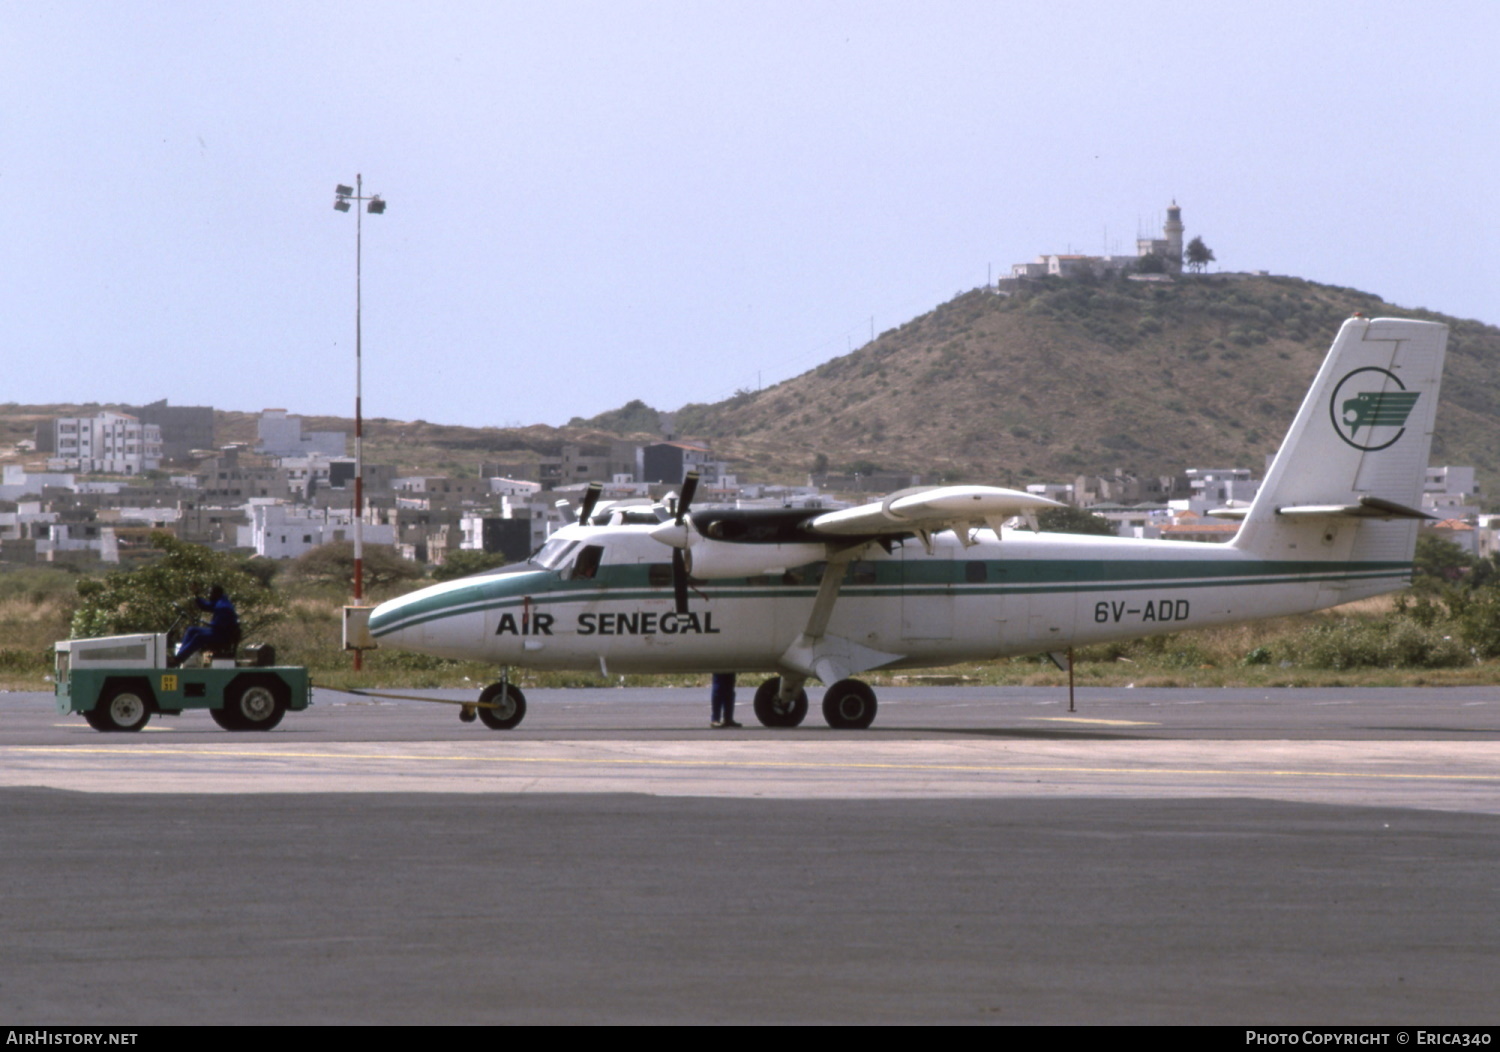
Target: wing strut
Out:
[831,658]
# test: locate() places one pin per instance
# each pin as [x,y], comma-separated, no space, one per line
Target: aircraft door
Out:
[927,593]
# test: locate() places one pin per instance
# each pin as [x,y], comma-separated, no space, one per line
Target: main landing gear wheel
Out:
[849,705]
[770,711]
[509,710]
[123,707]
[253,704]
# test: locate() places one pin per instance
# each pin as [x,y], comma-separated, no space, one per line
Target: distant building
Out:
[234,477]
[512,538]
[1450,492]
[184,428]
[1220,488]
[1168,247]
[277,531]
[878,482]
[16,482]
[574,465]
[670,462]
[280,434]
[109,443]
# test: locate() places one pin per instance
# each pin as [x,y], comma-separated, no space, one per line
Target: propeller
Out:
[590,499]
[679,557]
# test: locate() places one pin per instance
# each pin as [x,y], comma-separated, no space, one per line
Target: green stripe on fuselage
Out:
[891,578]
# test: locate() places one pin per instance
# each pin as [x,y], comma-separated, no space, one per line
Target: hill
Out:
[1058,378]
[1068,377]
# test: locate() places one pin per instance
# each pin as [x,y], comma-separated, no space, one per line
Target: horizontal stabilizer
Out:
[1367,508]
[928,509]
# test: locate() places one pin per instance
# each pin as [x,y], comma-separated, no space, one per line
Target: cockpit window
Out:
[554,553]
[587,564]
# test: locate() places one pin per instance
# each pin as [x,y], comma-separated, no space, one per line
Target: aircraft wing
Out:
[928,510]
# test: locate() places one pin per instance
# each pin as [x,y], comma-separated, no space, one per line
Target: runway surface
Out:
[1242,857]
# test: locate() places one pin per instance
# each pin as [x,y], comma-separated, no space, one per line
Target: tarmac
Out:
[1254,857]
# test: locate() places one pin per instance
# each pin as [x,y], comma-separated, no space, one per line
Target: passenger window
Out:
[860,572]
[659,575]
[812,573]
[976,572]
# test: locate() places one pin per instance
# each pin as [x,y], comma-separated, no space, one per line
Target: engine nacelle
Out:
[710,560]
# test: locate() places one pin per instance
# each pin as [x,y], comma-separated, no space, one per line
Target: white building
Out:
[1168,248]
[277,531]
[519,488]
[1450,493]
[1218,488]
[280,434]
[17,482]
[112,443]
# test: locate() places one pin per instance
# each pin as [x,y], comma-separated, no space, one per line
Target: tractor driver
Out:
[221,632]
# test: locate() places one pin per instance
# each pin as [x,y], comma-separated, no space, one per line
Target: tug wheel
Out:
[122,707]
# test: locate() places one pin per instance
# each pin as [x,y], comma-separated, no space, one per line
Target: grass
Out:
[34,612]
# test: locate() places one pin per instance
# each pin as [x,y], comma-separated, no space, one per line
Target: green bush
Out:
[1394,642]
[153,598]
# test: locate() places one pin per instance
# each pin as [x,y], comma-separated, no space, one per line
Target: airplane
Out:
[935,576]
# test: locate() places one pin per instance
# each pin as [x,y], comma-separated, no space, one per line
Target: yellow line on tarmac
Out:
[1106,723]
[724,763]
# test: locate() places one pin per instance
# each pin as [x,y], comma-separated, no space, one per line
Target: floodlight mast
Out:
[342,196]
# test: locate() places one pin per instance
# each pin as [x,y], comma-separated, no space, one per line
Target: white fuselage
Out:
[1024,593]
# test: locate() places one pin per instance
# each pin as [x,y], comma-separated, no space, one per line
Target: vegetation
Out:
[153,598]
[462,563]
[1442,631]
[333,564]
[1198,255]
[1069,519]
[634,417]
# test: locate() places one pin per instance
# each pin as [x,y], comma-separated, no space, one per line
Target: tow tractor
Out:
[117,682]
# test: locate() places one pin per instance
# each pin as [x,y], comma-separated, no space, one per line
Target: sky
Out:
[593,202]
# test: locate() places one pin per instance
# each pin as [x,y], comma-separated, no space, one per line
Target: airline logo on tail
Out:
[1371,419]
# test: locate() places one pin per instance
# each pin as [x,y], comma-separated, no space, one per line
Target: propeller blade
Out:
[680,580]
[590,498]
[689,488]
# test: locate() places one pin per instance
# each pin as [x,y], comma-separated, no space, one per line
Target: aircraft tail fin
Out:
[1346,485]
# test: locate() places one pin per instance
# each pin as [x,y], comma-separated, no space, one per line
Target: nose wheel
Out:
[502,706]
